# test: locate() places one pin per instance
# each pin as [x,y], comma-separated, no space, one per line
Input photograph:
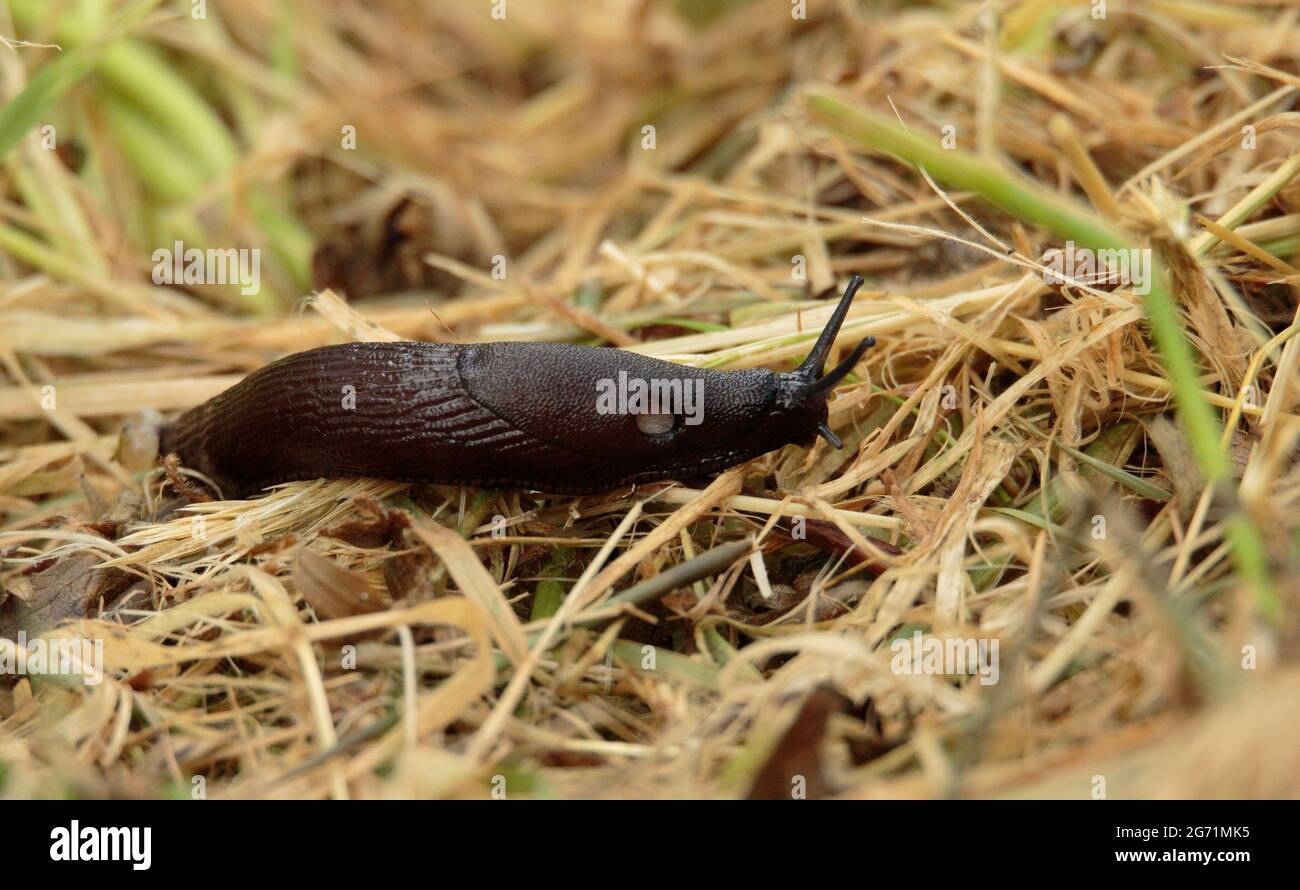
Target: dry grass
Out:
[1013,444]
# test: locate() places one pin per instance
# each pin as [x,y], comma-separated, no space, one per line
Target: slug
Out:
[555,418]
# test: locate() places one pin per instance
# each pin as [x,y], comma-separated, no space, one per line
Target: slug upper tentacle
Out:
[565,419]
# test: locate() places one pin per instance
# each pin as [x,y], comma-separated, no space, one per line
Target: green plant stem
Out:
[551,590]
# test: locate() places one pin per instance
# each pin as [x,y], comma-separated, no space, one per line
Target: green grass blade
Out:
[1135,484]
[52,81]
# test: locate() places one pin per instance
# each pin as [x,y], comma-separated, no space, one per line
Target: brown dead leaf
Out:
[407,576]
[407,573]
[67,588]
[377,528]
[1180,467]
[332,590]
[798,755]
[113,519]
[384,253]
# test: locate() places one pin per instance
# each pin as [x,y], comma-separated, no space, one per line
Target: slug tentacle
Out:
[815,364]
[808,385]
[828,382]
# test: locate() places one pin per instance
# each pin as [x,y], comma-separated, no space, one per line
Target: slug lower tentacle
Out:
[557,418]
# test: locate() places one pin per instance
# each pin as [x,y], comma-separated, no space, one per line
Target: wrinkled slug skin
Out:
[499,414]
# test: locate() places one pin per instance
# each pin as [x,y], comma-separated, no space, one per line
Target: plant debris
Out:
[1091,465]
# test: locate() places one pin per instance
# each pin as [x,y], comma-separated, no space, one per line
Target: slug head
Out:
[625,417]
[802,393]
[755,411]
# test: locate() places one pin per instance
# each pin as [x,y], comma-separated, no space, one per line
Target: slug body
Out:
[542,416]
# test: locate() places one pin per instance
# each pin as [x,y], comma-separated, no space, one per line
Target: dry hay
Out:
[1013,443]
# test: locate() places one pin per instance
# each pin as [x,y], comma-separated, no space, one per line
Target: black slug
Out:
[556,418]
